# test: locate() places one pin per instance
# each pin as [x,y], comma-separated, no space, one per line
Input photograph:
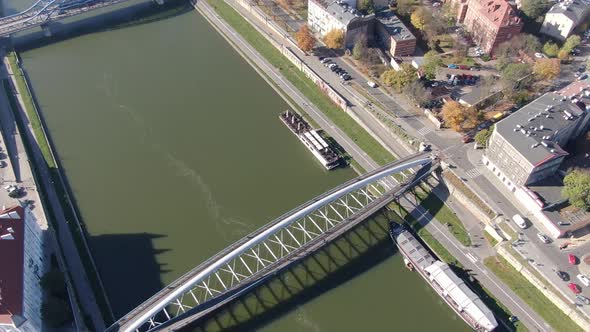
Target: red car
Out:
[574,287]
[572,259]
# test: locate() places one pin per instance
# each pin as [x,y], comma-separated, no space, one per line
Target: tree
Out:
[550,49]
[577,188]
[534,8]
[305,39]
[366,6]
[513,74]
[483,136]
[570,43]
[54,283]
[563,54]
[416,91]
[547,69]
[404,7]
[360,49]
[334,38]
[399,78]
[432,62]
[458,117]
[55,311]
[419,18]
[529,44]
[449,12]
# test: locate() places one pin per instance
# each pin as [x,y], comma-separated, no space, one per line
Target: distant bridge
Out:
[264,253]
[43,12]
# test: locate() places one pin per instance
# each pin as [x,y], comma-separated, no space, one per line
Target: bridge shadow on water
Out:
[340,261]
[134,15]
[128,268]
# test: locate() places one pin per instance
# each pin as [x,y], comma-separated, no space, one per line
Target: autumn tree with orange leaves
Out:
[305,39]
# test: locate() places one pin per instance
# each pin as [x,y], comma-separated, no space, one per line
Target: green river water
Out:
[173,148]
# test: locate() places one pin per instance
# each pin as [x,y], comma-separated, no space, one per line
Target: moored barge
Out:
[311,139]
[452,289]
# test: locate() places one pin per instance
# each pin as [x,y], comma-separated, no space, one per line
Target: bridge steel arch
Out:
[257,255]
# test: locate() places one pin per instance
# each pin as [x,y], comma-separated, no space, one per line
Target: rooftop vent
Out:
[541,128]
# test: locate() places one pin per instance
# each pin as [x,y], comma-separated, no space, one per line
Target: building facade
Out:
[490,22]
[21,246]
[561,20]
[324,16]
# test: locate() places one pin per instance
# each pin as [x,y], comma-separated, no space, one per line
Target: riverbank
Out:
[56,199]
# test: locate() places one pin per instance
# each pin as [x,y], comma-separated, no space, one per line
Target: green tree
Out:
[398,79]
[570,43]
[360,49]
[432,62]
[55,311]
[483,136]
[534,8]
[366,6]
[577,188]
[54,283]
[334,38]
[513,74]
[416,91]
[550,49]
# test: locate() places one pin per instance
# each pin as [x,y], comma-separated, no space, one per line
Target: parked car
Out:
[572,259]
[562,275]
[452,66]
[475,68]
[463,67]
[584,280]
[519,221]
[467,138]
[372,84]
[583,77]
[583,299]
[540,55]
[544,238]
[325,60]
[574,287]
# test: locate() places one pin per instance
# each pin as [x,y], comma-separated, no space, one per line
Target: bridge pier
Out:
[46,30]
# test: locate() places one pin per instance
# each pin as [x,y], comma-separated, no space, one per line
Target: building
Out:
[324,16]
[525,152]
[394,35]
[564,17]
[22,266]
[490,22]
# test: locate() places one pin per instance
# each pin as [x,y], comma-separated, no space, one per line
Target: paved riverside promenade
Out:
[487,279]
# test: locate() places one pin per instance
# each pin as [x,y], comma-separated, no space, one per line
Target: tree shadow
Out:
[347,257]
[128,268]
[121,18]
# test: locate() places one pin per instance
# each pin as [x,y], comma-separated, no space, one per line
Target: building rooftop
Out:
[574,10]
[340,10]
[11,264]
[530,130]
[396,28]
[497,12]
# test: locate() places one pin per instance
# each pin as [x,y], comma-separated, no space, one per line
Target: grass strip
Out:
[530,294]
[305,85]
[23,90]
[460,185]
[443,214]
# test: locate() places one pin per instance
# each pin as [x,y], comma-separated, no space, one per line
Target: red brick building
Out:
[490,22]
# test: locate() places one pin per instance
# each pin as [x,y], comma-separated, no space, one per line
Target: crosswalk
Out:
[424,130]
[473,173]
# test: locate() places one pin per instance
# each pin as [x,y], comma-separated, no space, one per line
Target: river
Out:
[173,148]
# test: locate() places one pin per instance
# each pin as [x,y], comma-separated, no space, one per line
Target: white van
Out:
[519,221]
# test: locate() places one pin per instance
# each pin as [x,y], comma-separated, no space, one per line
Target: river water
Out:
[173,148]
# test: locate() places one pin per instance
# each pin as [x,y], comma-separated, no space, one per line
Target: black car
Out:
[562,275]
[335,68]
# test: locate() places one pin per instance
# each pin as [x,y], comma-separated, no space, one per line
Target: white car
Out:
[540,55]
[544,238]
[584,280]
